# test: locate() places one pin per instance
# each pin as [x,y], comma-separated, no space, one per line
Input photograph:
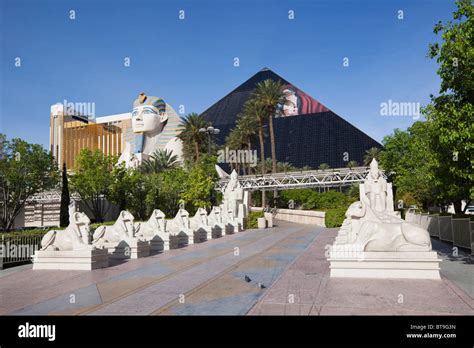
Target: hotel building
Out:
[71,132]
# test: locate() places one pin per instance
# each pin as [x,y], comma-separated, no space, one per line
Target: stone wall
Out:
[309,217]
[46,214]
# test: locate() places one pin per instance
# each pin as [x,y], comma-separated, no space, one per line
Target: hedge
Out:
[252,218]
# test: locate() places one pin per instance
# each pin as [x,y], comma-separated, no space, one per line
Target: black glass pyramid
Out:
[307,135]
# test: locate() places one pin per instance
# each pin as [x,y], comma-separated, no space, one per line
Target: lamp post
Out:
[210,132]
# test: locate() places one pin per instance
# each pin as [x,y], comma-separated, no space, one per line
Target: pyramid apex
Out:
[264,69]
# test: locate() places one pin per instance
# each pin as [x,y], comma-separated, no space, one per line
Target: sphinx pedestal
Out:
[384,264]
[157,244]
[129,249]
[83,260]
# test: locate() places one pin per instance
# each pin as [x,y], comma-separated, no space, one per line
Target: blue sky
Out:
[190,61]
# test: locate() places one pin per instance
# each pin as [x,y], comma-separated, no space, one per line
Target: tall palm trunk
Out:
[272,144]
[262,156]
[249,145]
[196,149]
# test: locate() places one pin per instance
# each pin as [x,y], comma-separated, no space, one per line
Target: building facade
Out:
[307,133]
[70,133]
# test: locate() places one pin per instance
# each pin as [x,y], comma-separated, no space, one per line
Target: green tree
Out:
[409,162]
[451,114]
[137,191]
[119,186]
[65,200]
[194,141]
[128,190]
[164,190]
[373,152]
[92,180]
[199,187]
[25,170]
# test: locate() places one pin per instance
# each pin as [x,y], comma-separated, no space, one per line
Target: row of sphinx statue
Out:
[158,232]
[129,239]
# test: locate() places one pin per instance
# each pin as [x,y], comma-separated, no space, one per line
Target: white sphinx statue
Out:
[181,233]
[217,223]
[70,249]
[155,231]
[374,242]
[150,123]
[122,238]
[200,224]
[74,237]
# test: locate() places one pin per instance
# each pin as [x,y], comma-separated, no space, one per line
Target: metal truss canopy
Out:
[329,178]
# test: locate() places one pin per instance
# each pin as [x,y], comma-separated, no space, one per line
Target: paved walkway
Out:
[286,268]
[307,284]
[171,283]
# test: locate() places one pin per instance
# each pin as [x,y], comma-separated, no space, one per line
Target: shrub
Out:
[30,232]
[299,196]
[252,218]
[335,217]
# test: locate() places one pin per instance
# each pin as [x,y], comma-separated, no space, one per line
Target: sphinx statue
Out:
[383,244]
[217,223]
[180,230]
[123,239]
[382,232]
[74,237]
[123,229]
[155,231]
[150,123]
[200,224]
[70,249]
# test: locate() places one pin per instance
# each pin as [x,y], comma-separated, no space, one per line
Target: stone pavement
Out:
[306,289]
[168,283]
[286,266]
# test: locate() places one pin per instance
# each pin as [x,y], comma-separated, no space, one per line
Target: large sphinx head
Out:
[149,114]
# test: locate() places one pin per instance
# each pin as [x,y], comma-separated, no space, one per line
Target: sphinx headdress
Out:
[150,100]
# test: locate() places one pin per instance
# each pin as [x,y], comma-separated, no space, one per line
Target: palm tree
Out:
[352,164]
[324,166]
[269,94]
[247,128]
[373,152]
[267,164]
[193,139]
[253,109]
[285,167]
[234,141]
[159,161]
